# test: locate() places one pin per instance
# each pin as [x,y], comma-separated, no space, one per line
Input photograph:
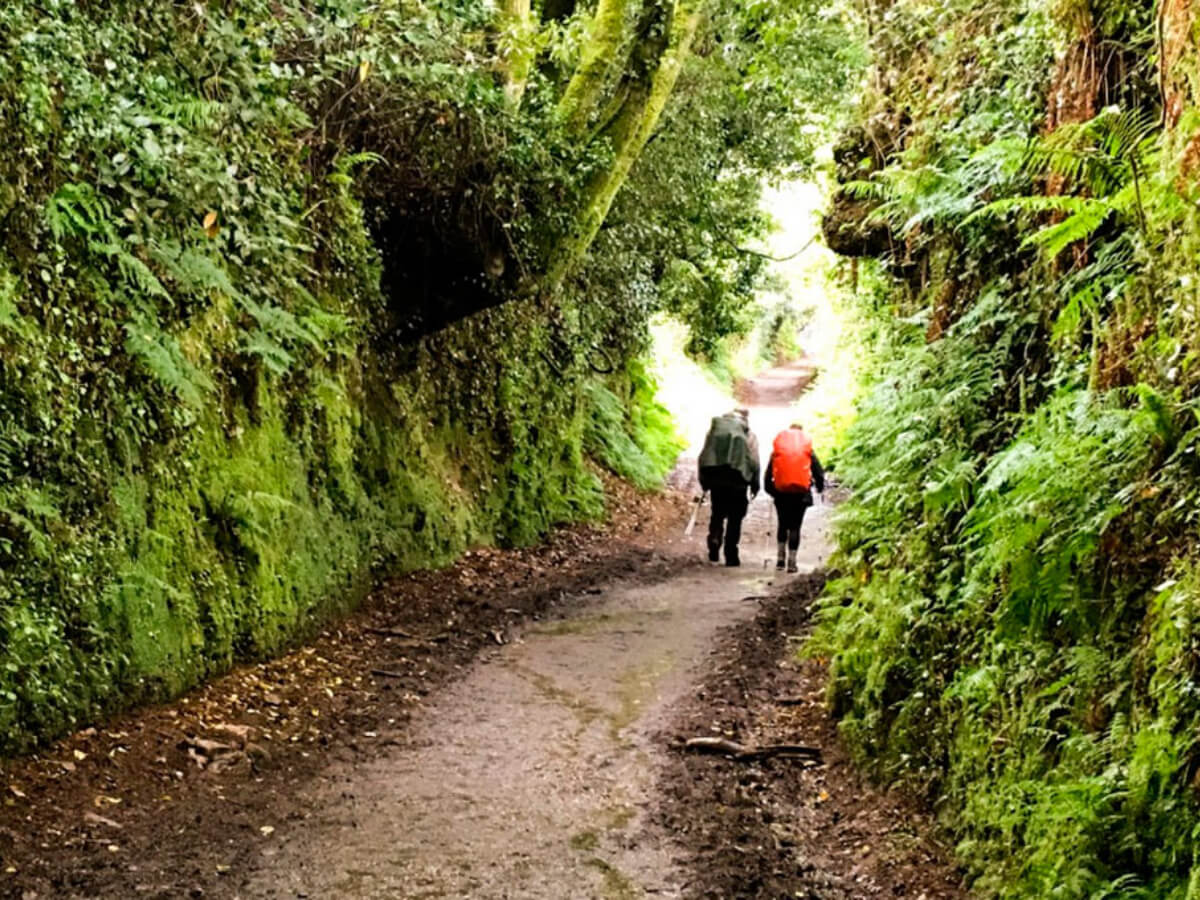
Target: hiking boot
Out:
[731,559]
[782,554]
[791,563]
[714,551]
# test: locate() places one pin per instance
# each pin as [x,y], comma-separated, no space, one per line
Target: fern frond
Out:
[161,356]
[76,210]
[133,270]
[1036,205]
[867,190]
[195,114]
[193,270]
[1079,226]
[269,351]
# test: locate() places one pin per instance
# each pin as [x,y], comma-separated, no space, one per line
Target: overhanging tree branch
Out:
[746,251]
[632,127]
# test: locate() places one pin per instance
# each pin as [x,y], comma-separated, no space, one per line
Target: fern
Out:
[868,190]
[194,113]
[1104,158]
[29,509]
[77,211]
[269,351]
[1077,228]
[161,356]
[192,270]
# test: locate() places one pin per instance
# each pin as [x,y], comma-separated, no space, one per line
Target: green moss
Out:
[617,884]
[257,527]
[631,433]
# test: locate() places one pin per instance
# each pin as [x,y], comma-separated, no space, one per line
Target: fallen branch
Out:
[743,753]
[391,632]
[384,673]
[409,636]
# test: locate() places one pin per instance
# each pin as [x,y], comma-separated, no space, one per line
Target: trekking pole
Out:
[691,525]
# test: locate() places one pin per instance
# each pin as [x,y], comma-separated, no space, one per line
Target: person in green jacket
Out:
[729,469]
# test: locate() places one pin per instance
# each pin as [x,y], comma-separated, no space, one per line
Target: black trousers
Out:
[789,510]
[728,509]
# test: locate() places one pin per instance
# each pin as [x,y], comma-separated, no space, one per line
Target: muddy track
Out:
[777,828]
[185,799]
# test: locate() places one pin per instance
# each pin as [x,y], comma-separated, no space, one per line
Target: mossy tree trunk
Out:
[656,57]
[605,36]
[627,71]
[516,47]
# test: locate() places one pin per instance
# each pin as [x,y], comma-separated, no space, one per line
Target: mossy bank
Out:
[223,409]
[1013,630]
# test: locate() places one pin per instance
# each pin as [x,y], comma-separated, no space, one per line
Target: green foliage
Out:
[232,237]
[1010,630]
[218,420]
[780,328]
[984,638]
[634,436]
[768,82]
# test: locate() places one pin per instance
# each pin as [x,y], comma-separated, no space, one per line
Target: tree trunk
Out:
[517,29]
[605,36]
[629,131]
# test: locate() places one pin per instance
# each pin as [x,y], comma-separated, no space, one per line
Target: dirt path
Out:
[778,828]
[534,775]
[531,777]
[502,730]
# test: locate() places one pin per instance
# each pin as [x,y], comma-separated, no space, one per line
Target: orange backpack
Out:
[791,461]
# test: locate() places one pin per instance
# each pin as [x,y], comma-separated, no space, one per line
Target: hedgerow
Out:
[1011,629]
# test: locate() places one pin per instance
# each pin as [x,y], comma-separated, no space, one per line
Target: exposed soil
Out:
[779,828]
[501,729]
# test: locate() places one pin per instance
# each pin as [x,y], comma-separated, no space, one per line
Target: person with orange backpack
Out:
[792,473]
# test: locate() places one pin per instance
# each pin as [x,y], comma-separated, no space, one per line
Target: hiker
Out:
[729,467]
[792,473]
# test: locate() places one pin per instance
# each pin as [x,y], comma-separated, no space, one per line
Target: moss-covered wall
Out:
[218,422]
